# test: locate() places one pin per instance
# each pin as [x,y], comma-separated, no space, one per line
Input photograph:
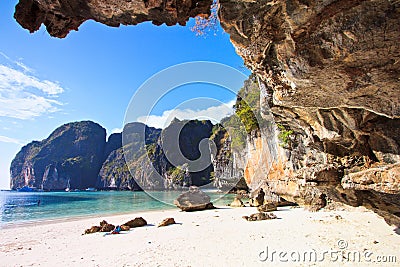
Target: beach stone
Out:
[259,199]
[261,216]
[236,203]
[93,229]
[125,228]
[137,222]
[284,203]
[103,222]
[243,193]
[193,200]
[107,227]
[266,207]
[166,222]
[317,203]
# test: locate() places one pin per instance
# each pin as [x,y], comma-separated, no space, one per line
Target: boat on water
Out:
[68,189]
[91,189]
[27,189]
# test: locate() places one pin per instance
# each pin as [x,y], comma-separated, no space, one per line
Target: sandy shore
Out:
[209,238]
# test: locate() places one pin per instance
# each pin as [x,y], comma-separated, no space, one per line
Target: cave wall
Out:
[328,71]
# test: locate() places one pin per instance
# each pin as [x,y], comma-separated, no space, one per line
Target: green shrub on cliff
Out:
[284,134]
[176,173]
[247,106]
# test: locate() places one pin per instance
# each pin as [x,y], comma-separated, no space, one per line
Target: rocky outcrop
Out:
[149,165]
[261,216]
[266,207]
[193,200]
[105,227]
[186,148]
[236,203]
[114,173]
[113,143]
[60,17]
[77,156]
[233,159]
[72,155]
[259,199]
[166,222]
[92,230]
[328,71]
[137,222]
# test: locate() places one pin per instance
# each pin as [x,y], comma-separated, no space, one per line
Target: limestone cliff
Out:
[114,173]
[134,166]
[72,154]
[77,155]
[329,73]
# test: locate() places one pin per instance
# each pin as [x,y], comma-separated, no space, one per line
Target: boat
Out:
[68,189]
[91,189]
[26,189]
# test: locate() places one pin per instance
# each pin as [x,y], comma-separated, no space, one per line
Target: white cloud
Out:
[24,96]
[215,114]
[18,63]
[115,130]
[6,139]
[20,81]
[26,106]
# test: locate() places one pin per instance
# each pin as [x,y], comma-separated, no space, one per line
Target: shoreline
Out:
[203,238]
[11,225]
[48,217]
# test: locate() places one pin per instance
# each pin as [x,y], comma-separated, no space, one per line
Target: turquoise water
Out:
[18,207]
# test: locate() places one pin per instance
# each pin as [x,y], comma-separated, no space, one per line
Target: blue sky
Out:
[92,75]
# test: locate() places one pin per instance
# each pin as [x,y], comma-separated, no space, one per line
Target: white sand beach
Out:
[219,237]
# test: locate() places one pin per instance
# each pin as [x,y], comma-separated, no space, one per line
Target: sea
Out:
[30,207]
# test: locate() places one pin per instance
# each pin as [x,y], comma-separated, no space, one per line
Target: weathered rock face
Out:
[114,173]
[329,72]
[72,153]
[76,155]
[329,79]
[193,200]
[149,167]
[113,143]
[235,161]
[60,17]
[326,54]
[186,144]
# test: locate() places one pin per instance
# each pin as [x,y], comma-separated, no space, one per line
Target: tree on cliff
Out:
[207,23]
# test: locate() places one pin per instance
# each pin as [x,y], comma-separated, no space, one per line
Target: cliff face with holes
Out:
[329,72]
[329,76]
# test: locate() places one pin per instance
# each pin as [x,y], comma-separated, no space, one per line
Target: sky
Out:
[93,73]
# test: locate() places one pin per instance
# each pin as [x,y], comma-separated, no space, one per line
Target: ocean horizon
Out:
[29,207]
